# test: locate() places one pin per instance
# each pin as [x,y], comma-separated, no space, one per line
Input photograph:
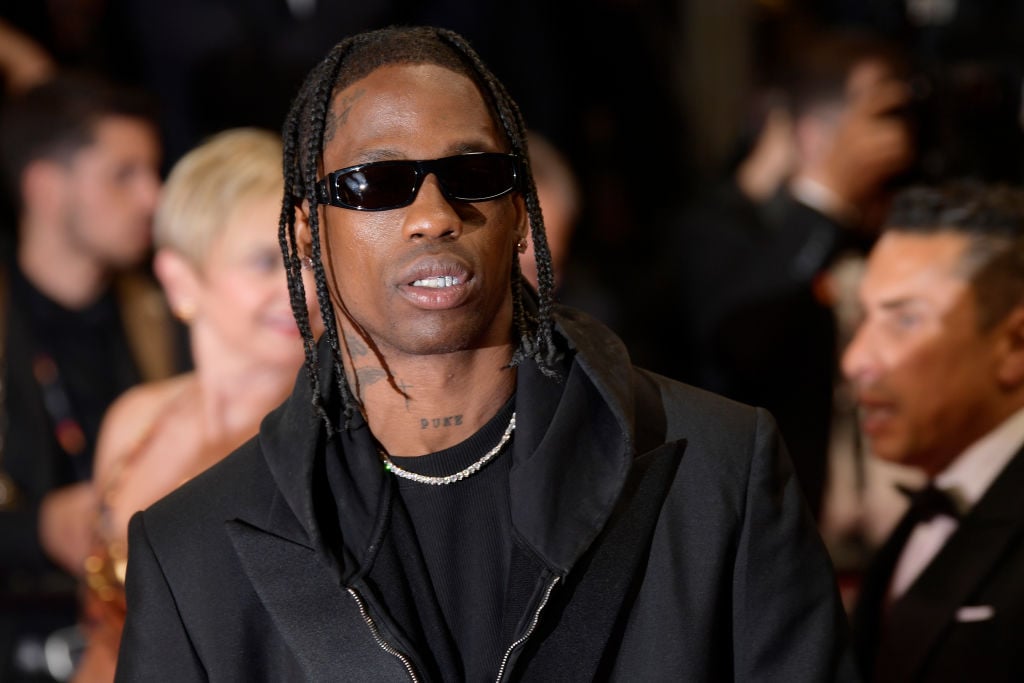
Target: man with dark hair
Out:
[938,367]
[469,482]
[80,159]
[752,256]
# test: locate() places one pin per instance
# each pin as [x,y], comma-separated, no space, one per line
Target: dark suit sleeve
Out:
[788,621]
[155,645]
[735,267]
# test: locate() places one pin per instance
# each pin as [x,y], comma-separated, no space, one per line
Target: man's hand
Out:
[23,62]
[66,519]
[868,143]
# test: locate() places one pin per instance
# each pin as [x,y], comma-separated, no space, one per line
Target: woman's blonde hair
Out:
[210,182]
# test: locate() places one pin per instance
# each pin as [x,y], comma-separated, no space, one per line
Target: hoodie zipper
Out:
[383,644]
[391,650]
[529,631]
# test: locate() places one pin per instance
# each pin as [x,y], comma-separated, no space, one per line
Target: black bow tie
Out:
[929,502]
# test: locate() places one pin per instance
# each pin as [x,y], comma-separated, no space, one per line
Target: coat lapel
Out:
[584,622]
[916,621]
[579,443]
[867,618]
[316,617]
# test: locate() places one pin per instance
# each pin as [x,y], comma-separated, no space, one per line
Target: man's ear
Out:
[181,283]
[303,233]
[522,220]
[43,184]
[1010,370]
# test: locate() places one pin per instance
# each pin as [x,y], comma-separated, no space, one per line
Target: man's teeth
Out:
[440,281]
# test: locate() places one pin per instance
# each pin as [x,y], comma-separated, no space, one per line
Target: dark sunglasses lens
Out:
[477,177]
[378,186]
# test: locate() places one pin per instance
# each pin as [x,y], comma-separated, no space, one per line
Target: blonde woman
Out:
[219,262]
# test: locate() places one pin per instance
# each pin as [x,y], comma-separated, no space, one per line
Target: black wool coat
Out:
[659,535]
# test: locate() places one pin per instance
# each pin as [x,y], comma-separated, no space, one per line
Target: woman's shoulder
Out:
[134,415]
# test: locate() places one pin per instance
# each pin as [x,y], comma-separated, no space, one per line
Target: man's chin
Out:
[887,450]
[453,332]
[444,346]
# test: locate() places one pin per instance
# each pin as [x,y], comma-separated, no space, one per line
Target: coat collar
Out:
[289,439]
[572,456]
[576,438]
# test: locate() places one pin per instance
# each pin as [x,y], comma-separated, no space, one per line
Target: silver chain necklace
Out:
[451,478]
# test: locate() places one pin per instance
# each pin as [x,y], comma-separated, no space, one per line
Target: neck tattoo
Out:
[451,478]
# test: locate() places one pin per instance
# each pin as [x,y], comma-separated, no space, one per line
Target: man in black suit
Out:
[79,324]
[469,483]
[749,308]
[938,367]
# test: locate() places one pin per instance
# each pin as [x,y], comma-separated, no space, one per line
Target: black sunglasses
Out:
[384,185]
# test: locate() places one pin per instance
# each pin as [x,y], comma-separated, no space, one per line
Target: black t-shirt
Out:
[93,362]
[465,531]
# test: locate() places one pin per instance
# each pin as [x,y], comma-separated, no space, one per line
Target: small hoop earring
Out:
[307,263]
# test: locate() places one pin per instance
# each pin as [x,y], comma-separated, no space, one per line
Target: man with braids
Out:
[469,482]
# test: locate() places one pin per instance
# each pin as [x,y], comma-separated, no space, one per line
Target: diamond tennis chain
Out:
[451,478]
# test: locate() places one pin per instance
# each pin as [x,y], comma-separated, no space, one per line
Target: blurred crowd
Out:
[714,207]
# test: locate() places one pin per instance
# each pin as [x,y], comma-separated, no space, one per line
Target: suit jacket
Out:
[744,317]
[659,535]
[37,597]
[963,618]
[30,454]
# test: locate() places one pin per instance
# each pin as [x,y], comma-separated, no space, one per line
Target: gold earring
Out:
[185,312]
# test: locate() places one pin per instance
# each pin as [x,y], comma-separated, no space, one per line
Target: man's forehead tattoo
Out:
[332,122]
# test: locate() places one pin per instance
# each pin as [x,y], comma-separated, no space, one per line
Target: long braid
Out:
[293,262]
[542,348]
[321,99]
[303,140]
[306,121]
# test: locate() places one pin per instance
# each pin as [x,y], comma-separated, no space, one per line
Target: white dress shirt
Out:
[966,479]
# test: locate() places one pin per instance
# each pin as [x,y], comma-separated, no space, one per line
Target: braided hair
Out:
[304,134]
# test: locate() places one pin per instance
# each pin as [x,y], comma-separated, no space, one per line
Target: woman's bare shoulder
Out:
[132,417]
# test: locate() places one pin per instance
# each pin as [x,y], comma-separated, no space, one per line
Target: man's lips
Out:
[874,414]
[436,283]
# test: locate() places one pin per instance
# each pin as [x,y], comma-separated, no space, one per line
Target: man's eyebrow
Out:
[896,302]
[469,147]
[369,156]
[902,302]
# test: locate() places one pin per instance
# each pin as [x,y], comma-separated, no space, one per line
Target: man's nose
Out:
[431,215]
[856,358]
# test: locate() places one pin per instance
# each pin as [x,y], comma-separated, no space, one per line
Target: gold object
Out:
[8,492]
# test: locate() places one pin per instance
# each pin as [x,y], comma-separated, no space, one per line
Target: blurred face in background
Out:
[558,194]
[927,378]
[241,293]
[854,145]
[109,190]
